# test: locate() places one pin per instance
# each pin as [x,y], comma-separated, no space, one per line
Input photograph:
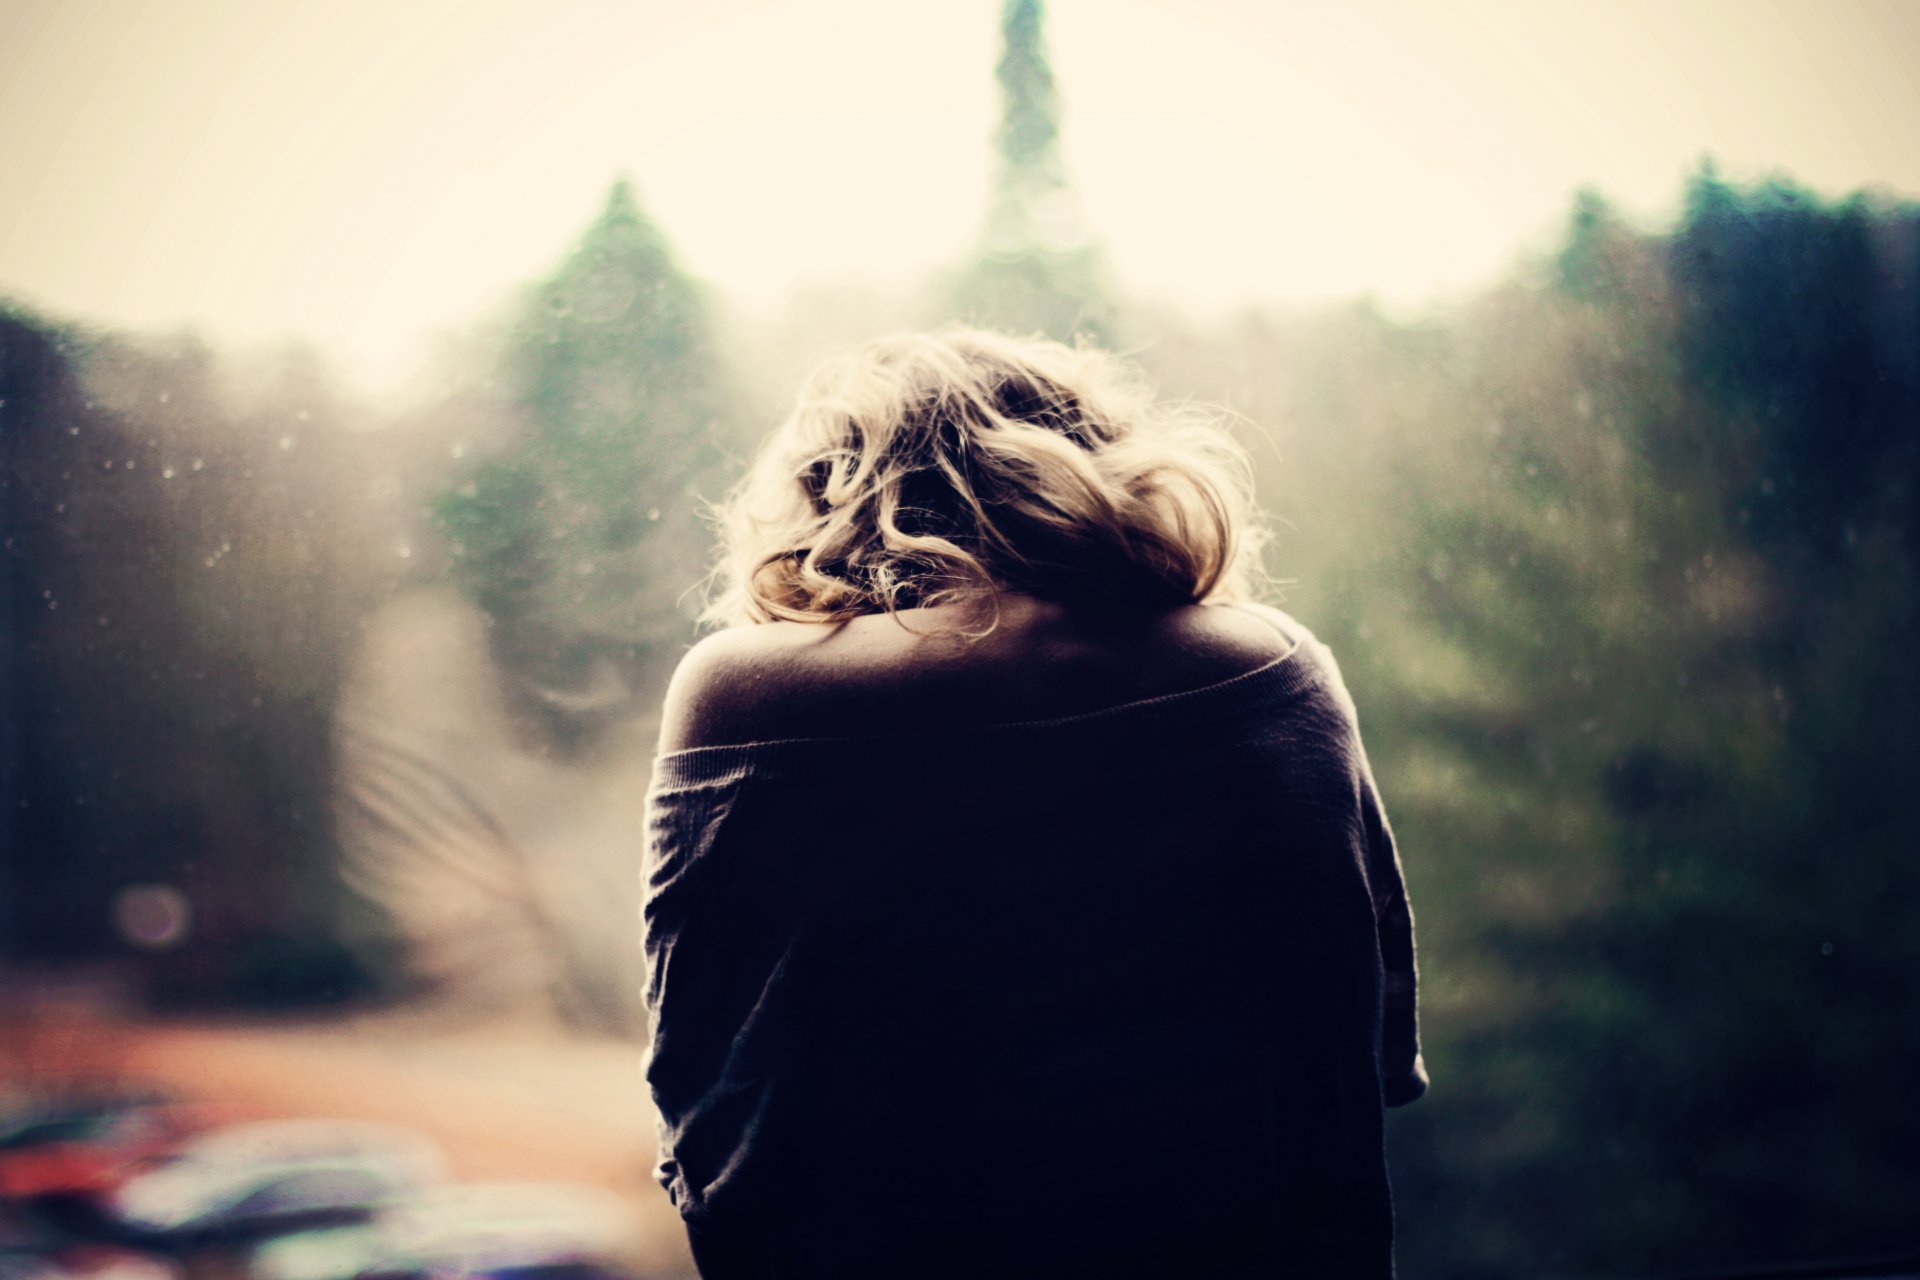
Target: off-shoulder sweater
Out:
[1115,994]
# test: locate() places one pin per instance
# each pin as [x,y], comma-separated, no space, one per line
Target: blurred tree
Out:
[1673,562]
[1036,269]
[577,536]
[179,592]
[1618,559]
[1800,331]
[582,539]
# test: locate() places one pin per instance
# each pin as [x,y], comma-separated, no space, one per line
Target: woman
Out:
[1016,906]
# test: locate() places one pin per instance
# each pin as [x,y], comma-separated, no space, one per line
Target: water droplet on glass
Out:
[165,396]
[46,593]
[1826,948]
[60,508]
[225,546]
[302,416]
[109,464]
[104,620]
[286,442]
[53,604]
[404,551]
[198,463]
[653,513]
[166,473]
[458,451]
[73,431]
[210,561]
[131,464]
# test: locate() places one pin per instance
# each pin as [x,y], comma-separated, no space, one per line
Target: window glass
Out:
[331,667]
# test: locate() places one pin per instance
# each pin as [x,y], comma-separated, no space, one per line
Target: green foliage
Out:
[1628,603]
[580,539]
[1798,325]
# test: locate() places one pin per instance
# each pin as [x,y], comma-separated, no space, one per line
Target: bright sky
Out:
[365,172]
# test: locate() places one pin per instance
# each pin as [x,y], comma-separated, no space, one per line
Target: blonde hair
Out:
[945,468]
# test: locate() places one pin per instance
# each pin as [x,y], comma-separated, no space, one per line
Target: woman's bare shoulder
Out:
[718,685]
[878,673]
[791,679]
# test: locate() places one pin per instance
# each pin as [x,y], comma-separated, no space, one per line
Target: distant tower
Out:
[1032,204]
[1036,268]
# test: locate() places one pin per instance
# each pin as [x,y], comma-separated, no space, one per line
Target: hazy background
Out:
[366,368]
[365,172]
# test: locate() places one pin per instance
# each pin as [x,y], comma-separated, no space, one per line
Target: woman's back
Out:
[1011,909]
[1056,955]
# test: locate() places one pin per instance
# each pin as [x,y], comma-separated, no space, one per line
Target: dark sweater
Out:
[1120,994]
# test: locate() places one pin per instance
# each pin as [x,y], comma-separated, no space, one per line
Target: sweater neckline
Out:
[1271,684]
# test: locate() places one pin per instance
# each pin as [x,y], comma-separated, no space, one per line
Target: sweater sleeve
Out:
[1403,1072]
[713,931]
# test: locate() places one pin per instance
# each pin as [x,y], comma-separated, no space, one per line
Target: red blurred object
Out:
[87,1154]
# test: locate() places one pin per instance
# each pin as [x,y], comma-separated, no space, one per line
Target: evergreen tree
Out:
[1674,803]
[1618,560]
[581,539]
[1036,269]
